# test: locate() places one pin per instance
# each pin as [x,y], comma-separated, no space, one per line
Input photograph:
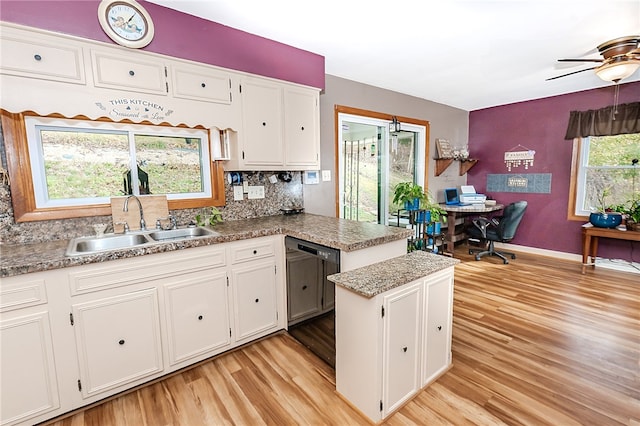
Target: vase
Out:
[412,205]
[605,220]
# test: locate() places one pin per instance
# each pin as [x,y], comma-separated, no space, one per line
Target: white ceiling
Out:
[468,54]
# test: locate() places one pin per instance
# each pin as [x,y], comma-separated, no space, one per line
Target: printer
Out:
[468,195]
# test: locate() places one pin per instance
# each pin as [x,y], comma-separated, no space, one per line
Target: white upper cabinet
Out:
[262,142]
[280,127]
[301,134]
[128,71]
[201,83]
[29,55]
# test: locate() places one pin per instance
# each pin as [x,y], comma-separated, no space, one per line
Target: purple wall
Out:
[179,35]
[540,125]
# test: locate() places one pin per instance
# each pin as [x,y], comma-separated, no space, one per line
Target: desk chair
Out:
[501,229]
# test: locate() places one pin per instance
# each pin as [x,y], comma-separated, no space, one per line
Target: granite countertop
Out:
[377,278]
[342,234]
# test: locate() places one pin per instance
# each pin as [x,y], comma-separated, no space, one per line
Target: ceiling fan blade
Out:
[580,60]
[571,73]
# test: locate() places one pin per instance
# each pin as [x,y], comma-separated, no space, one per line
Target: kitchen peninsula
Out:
[97,325]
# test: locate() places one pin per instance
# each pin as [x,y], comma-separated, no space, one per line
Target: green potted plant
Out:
[437,212]
[604,217]
[409,194]
[209,216]
[633,215]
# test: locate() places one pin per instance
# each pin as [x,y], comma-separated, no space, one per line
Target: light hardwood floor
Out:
[535,342]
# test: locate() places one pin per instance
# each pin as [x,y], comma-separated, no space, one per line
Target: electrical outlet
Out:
[238,193]
[255,192]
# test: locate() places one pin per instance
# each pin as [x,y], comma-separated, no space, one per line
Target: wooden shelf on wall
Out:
[442,164]
[466,165]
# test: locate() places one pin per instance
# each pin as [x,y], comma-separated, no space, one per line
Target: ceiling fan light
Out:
[617,71]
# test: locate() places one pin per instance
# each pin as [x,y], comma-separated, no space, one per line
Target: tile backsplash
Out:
[277,195]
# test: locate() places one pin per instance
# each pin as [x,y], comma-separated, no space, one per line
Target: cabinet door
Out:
[304,292]
[118,340]
[254,298]
[302,137]
[437,335]
[128,72]
[197,315]
[44,59]
[401,346]
[28,378]
[201,83]
[262,141]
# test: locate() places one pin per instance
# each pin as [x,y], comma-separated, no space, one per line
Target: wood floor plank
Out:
[535,342]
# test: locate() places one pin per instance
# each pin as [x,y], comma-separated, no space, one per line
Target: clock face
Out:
[126,22]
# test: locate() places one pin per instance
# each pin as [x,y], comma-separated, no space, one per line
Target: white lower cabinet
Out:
[197,315]
[110,326]
[401,346]
[390,346]
[117,340]
[255,296]
[27,368]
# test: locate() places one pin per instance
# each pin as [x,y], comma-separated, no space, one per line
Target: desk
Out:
[590,235]
[453,212]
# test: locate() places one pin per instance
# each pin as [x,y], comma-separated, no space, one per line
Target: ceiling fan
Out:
[621,58]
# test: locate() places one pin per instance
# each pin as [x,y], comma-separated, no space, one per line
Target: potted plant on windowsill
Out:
[633,216]
[602,218]
[409,194]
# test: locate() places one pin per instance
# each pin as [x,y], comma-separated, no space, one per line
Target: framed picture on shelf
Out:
[443,147]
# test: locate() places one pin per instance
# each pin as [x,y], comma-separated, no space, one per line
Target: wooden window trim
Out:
[22,192]
[573,183]
[340,109]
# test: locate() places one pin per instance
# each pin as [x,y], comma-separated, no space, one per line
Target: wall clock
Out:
[126,22]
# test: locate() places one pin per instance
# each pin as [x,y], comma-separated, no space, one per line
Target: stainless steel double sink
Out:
[91,245]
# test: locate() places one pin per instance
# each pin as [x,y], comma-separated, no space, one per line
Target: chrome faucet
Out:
[143,225]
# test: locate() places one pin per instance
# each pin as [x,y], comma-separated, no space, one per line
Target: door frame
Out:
[341,109]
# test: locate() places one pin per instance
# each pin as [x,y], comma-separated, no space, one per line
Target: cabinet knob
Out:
[121,342]
[404,349]
[439,327]
[302,128]
[257,300]
[255,252]
[264,124]
[132,73]
[304,287]
[37,57]
[203,85]
[200,317]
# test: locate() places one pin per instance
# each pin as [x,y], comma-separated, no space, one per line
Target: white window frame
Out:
[36,157]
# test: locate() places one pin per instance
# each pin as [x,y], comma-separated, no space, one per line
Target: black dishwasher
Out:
[310,296]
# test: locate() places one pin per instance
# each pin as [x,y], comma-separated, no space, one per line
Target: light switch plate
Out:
[255,192]
[326,175]
[238,193]
[245,185]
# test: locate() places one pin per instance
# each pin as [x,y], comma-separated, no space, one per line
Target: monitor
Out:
[451,196]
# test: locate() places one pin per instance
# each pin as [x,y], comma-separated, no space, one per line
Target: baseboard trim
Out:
[541,252]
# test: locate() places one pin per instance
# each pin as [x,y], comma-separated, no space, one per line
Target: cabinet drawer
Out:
[16,293]
[253,250]
[128,72]
[133,271]
[201,83]
[43,60]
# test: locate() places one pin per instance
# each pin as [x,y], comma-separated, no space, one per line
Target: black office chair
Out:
[501,229]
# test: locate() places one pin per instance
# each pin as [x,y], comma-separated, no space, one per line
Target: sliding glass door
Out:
[372,160]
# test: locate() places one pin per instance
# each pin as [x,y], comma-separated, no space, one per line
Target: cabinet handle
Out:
[257,300]
[121,342]
[439,327]
[37,57]
[203,85]
[255,252]
[200,317]
[304,287]
[404,349]
[132,73]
